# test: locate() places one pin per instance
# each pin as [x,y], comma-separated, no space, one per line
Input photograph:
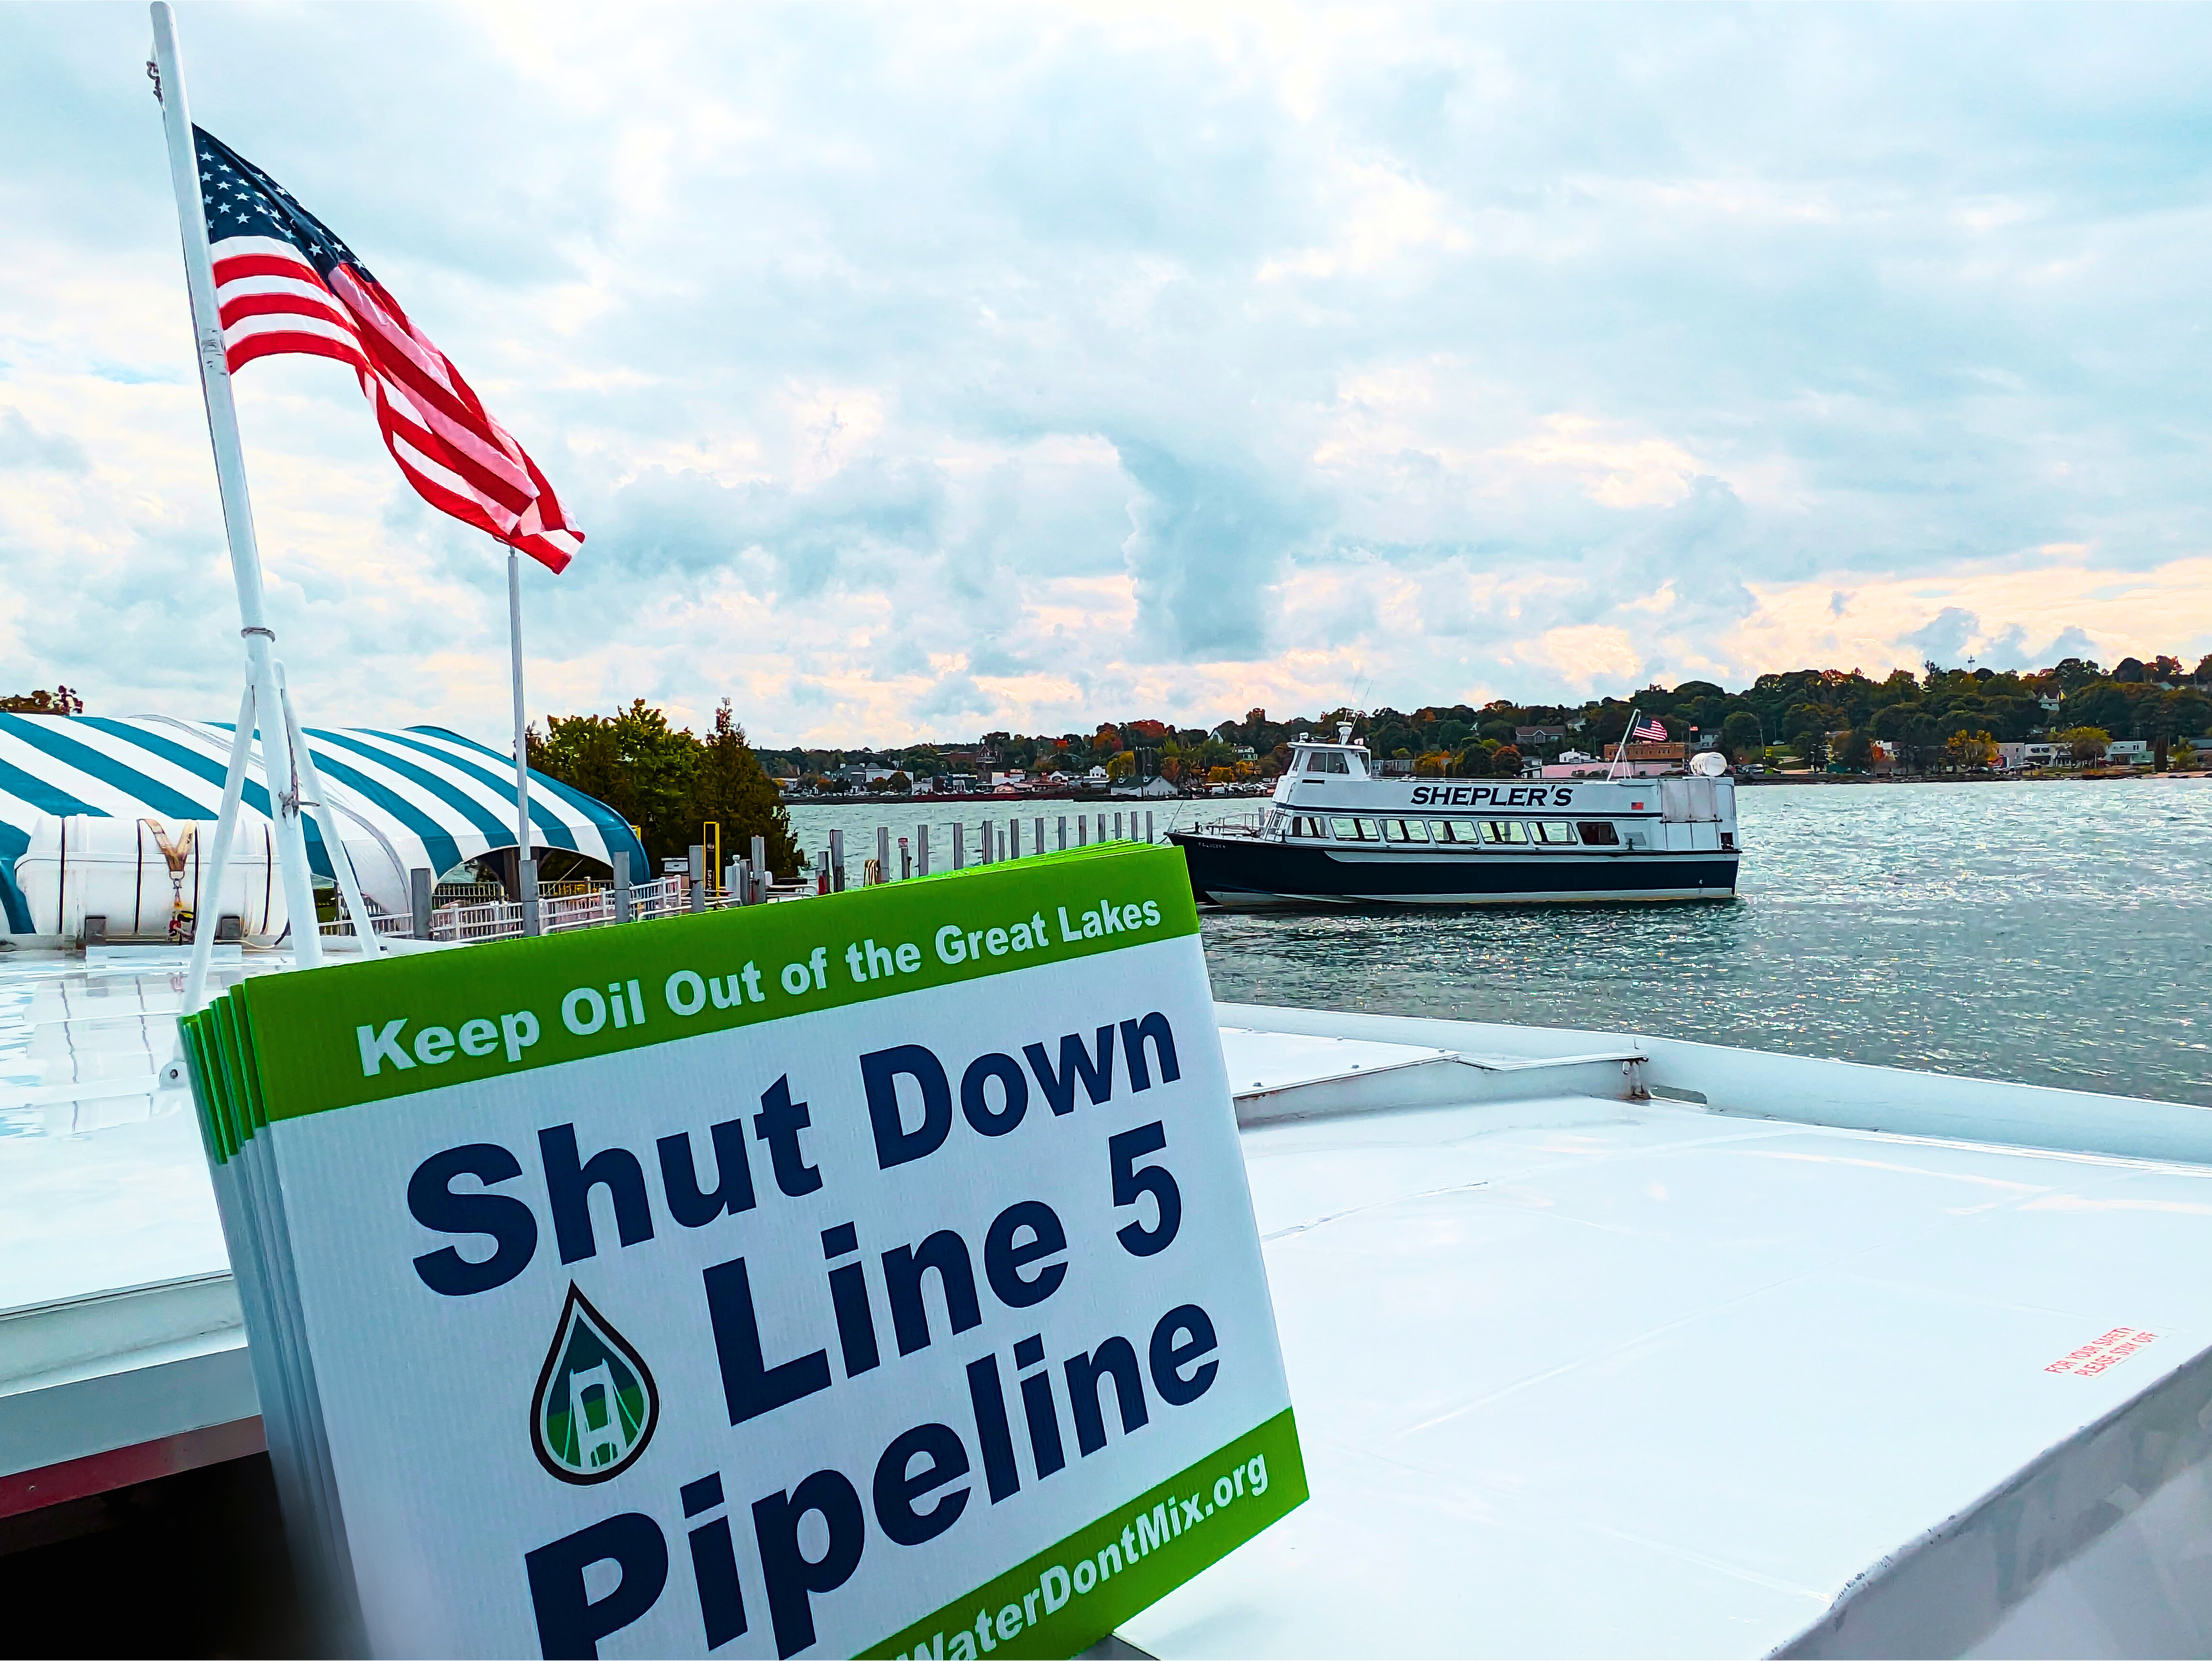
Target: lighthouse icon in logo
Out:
[596,1405]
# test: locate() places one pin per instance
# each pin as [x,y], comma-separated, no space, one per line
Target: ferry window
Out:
[1556,830]
[1328,761]
[1404,830]
[1355,831]
[1302,825]
[1600,833]
[1505,831]
[1460,831]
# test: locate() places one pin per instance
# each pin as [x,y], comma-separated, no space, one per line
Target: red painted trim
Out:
[97,1473]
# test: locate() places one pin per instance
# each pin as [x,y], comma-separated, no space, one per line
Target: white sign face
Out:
[869,1275]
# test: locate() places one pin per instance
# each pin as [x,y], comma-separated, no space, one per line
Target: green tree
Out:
[668,783]
[1740,734]
[2087,743]
[1854,750]
[730,787]
[633,762]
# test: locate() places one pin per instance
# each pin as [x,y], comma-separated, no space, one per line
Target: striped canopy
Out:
[420,797]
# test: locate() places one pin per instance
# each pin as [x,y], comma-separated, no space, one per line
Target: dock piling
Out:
[921,846]
[837,862]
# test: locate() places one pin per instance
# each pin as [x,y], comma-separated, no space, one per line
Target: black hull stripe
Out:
[1282,871]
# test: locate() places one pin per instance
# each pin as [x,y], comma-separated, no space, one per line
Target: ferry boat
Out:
[1335,830]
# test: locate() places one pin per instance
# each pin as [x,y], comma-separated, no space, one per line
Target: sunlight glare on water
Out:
[2050,933]
[2055,933]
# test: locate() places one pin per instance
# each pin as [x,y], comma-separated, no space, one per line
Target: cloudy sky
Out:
[920,370]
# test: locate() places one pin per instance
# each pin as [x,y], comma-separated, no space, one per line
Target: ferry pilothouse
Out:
[1336,832]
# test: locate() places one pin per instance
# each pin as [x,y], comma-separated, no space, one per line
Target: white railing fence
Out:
[492,920]
[342,927]
[460,916]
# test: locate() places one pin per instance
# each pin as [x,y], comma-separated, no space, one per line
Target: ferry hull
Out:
[1234,870]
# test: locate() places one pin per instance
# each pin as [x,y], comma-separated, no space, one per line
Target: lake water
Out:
[2053,932]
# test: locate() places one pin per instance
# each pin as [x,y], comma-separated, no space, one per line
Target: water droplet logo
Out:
[596,1406]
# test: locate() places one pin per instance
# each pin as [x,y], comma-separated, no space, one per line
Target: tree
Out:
[1740,733]
[2182,758]
[59,702]
[1122,765]
[2087,743]
[900,784]
[1505,762]
[633,762]
[1970,751]
[666,782]
[1471,762]
[730,787]
[1854,750]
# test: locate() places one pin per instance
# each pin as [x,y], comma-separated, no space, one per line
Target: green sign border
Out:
[283,1046]
[1085,1618]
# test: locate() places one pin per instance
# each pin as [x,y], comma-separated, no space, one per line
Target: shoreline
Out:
[2090,776]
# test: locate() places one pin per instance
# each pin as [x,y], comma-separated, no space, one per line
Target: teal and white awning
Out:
[420,797]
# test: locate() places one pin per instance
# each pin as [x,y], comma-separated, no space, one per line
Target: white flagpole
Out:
[526,868]
[326,816]
[1620,754]
[237,509]
[210,911]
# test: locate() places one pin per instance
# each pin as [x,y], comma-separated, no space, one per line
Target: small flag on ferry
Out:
[284,283]
[1650,730]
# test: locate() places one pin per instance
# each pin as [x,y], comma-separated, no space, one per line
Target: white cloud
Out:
[919,372]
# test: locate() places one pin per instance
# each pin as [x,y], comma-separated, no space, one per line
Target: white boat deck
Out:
[1577,1370]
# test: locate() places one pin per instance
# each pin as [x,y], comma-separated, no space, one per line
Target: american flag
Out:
[1650,730]
[284,283]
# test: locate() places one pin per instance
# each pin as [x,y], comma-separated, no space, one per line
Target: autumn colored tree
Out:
[59,702]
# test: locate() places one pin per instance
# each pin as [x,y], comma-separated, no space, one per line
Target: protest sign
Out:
[870,1275]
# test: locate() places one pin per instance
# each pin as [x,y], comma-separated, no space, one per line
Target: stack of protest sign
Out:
[867,1274]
